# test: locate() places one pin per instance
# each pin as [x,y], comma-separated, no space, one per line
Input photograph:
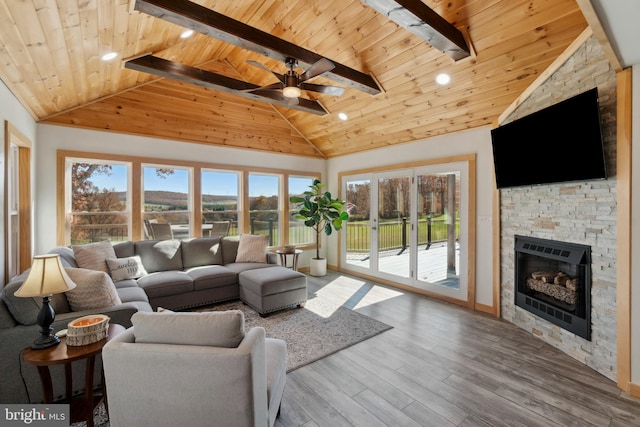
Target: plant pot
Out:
[318,266]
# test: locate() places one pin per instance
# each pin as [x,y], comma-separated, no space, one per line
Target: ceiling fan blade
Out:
[264,67]
[322,66]
[273,87]
[328,90]
[275,95]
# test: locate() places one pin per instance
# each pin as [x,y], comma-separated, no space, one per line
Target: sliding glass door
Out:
[410,227]
[392,223]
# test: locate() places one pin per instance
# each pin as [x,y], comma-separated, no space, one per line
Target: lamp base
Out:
[45,342]
[45,319]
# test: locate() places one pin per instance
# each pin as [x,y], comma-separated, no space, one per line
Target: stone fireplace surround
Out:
[576,212]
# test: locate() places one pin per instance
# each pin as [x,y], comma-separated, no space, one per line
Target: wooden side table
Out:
[81,407]
[283,257]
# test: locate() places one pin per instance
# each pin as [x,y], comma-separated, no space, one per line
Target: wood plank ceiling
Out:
[50,59]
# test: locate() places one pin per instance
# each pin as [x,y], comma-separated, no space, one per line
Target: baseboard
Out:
[634,390]
[489,309]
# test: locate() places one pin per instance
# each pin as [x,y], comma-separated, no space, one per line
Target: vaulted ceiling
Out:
[50,59]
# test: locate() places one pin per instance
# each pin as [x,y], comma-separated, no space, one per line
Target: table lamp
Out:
[46,277]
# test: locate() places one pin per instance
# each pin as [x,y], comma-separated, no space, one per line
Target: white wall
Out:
[11,110]
[476,141]
[52,138]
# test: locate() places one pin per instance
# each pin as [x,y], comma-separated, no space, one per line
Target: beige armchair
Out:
[195,369]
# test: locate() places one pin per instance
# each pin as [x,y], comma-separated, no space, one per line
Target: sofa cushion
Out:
[126,268]
[24,310]
[212,276]
[6,319]
[127,283]
[66,256]
[213,328]
[252,248]
[201,251]
[132,295]
[163,255]
[124,249]
[93,256]
[239,267]
[94,289]
[229,249]
[165,283]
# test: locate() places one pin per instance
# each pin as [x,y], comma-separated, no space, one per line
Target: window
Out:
[98,201]
[220,191]
[299,234]
[116,197]
[264,213]
[167,198]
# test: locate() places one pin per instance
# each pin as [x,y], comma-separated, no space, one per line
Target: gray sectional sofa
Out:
[190,272]
[180,274]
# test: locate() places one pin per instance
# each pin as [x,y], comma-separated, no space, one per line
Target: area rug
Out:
[319,329]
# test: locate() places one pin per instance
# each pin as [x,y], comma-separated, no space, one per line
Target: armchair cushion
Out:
[215,328]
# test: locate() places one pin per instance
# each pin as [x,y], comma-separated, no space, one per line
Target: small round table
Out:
[81,407]
[283,257]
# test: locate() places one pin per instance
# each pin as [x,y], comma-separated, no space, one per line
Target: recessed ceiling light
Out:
[343,116]
[443,79]
[186,33]
[109,56]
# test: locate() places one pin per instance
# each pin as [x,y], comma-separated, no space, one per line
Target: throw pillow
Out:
[212,328]
[126,268]
[94,289]
[93,256]
[252,248]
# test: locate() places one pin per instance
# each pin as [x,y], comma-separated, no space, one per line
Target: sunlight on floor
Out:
[348,291]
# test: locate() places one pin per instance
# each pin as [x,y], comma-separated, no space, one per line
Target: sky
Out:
[213,182]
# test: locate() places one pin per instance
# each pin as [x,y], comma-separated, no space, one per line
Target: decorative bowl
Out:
[87,329]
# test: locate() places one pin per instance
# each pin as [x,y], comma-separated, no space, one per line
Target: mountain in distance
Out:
[156,197]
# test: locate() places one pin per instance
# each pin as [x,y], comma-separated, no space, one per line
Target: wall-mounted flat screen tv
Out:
[559,143]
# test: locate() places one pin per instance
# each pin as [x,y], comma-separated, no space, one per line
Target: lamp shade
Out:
[46,277]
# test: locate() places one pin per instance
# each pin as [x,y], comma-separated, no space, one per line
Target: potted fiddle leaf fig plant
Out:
[320,211]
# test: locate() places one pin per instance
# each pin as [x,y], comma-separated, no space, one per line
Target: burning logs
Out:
[556,284]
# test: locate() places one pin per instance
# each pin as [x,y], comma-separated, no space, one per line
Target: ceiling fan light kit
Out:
[291,92]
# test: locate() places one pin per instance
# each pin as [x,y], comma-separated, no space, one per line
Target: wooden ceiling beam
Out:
[221,27]
[185,73]
[422,21]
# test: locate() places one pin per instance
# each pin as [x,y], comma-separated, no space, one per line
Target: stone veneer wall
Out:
[578,212]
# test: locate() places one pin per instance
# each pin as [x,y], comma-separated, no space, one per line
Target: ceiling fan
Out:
[290,85]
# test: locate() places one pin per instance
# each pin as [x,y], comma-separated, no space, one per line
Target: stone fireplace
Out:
[579,212]
[553,281]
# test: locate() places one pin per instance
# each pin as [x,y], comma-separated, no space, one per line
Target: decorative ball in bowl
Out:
[289,249]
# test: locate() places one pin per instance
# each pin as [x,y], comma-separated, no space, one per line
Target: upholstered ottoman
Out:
[271,289]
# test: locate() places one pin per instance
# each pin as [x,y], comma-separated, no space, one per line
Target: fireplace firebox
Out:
[553,281]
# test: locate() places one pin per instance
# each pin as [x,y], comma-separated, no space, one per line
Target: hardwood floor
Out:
[443,365]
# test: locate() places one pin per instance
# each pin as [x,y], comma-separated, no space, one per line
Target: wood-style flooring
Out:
[443,365]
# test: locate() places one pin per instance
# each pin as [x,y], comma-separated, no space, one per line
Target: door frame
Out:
[470,160]
[12,136]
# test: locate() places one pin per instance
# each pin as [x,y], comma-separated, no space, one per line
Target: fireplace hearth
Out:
[553,281]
